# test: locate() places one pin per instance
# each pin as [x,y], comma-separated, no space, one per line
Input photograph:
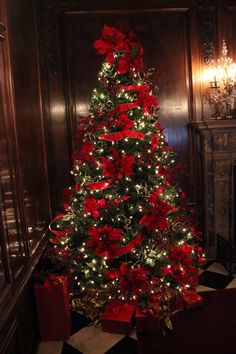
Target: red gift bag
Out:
[118,317]
[52,302]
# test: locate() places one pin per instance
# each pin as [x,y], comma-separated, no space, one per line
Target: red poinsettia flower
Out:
[119,166]
[123,65]
[111,38]
[147,101]
[166,270]
[84,154]
[181,254]
[124,122]
[126,166]
[108,166]
[130,60]
[133,280]
[104,241]
[131,51]
[93,206]
[185,275]
[157,218]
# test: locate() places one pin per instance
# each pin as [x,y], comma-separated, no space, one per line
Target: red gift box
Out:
[52,302]
[192,299]
[147,321]
[118,317]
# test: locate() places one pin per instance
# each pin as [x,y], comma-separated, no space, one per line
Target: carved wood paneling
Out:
[218,156]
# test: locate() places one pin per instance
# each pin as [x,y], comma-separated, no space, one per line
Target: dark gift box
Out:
[118,317]
[52,302]
[147,321]
[192,299]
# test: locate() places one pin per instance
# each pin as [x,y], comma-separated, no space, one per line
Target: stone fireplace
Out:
[217,161]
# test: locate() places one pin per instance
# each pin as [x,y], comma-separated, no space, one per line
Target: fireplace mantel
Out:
[217,152]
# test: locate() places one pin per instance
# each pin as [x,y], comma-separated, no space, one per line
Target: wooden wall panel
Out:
[28,119]
[167,32]
[24,196]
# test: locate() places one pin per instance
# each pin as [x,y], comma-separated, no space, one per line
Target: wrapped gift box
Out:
[118,317]
[147,321]
[52,302]
[191,299]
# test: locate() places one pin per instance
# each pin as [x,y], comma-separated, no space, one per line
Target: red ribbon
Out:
[123,107]
[123,134]
[129,246]
[96,186]
[58,233]
[135,87]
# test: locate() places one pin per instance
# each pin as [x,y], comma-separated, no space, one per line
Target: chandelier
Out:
[221,92]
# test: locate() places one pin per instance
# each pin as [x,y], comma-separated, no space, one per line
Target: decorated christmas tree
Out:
[125,228]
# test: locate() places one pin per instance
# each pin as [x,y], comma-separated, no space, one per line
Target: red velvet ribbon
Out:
[130,246]
[59,233]
[98,186]
[122,134]
[123,107]
[135,87]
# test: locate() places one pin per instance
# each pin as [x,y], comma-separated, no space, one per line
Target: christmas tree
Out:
[125,228]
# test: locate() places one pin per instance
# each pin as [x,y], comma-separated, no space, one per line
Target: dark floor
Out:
[89,339]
